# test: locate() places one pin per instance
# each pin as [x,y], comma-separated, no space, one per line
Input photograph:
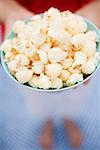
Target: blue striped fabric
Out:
[19,130]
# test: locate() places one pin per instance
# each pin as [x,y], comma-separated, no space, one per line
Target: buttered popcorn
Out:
[51,51]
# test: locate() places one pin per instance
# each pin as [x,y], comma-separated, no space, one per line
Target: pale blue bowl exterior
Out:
[11,35]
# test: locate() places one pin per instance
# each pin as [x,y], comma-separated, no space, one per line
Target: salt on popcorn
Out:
[51,51]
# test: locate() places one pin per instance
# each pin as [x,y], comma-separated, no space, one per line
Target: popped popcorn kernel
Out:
[67,63]
[57,83]
[89,67]
[91,35]
[89,48]
[79,59]
[51,51]
[23,76]
[34,81]
[38,67]
[53,70]
[44,79]
[18,26]
[22,60]
[6,46]
[56,55]
[65,75]
[74,78]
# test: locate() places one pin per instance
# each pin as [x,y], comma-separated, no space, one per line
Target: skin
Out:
[15,11]
[92,12]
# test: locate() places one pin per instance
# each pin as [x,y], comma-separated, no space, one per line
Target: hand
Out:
[91,12]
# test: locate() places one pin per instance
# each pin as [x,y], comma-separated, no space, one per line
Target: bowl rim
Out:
[50,90]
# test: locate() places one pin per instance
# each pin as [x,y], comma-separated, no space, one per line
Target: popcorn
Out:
[22,45]
[45,47]
[53,12]
[78,40]
[57,83]
[22,60]
[30,52]
[28,32]
[55,20]
[44,82]
[6,46]
[38,67]
[74,70]
[36,18]
[21,35]
[24,76]
[35,23]
[89,67]
[12,65]
[74,78]
[65,75]
[35,58]
[15,42]
[79,59]
[34,81]
[53,70]
[67,63]
[75,26]
[95,59]
[9,56]
[43,56]
[81,42]
[18,26]
[56,55]
[62,36]
[37,39]
[51,51]
[89,48]
[91,35]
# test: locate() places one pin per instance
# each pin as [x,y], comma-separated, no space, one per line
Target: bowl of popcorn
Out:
[53,51]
